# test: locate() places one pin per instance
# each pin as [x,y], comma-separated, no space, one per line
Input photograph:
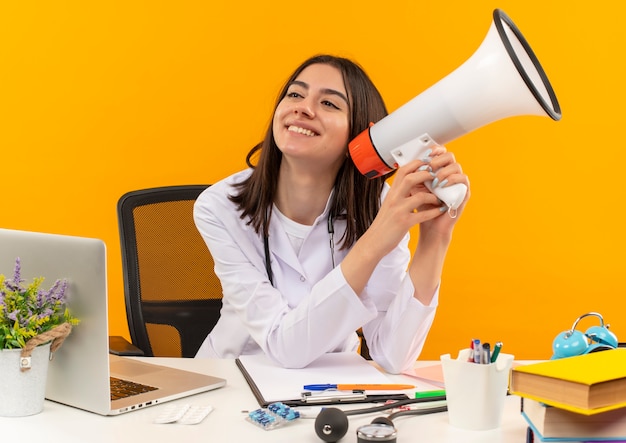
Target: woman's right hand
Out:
[408,203]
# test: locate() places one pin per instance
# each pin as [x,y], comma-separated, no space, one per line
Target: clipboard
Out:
[271,383]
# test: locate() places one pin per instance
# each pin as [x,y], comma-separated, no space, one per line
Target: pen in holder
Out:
[475,393]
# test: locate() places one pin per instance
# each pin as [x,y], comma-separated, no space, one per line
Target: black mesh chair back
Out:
[173,297]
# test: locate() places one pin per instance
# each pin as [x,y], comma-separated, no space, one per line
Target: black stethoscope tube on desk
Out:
[408,401]
[331,424]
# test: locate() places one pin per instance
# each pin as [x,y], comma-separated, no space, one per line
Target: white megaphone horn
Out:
[501,79]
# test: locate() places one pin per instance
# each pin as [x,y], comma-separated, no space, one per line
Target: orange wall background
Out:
[99,98]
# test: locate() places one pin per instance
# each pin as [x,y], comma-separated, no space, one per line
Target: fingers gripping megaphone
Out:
[503,78]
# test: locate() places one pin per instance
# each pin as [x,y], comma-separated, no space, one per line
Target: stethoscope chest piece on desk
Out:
[331,424]
[376,432]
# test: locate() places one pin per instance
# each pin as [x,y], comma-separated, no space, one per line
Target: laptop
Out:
[82,369]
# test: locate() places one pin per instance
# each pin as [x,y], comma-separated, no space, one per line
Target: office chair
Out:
[363,349]
[173,297]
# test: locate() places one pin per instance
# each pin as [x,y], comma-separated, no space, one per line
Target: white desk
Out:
[59,423]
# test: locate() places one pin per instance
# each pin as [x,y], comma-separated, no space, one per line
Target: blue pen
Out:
[357,387]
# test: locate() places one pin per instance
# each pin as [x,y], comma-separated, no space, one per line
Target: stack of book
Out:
[575,399]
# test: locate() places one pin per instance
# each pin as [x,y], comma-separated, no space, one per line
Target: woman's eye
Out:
[294,94]
[330,104]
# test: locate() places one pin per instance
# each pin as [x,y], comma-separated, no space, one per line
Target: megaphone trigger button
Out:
[452,212]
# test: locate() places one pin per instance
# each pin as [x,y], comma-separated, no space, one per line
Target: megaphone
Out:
[503,78]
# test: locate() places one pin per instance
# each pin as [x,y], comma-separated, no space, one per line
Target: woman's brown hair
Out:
[356,197]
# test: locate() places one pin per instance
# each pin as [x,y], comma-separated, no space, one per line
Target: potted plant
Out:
[33,323]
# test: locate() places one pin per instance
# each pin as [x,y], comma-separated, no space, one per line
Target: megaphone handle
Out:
[420,148]
[452,195]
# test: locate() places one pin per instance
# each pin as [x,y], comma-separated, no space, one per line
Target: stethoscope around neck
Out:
[331,235]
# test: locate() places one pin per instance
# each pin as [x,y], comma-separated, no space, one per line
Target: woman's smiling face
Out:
[311,121]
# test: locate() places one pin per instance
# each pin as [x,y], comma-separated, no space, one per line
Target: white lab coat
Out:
[310,310]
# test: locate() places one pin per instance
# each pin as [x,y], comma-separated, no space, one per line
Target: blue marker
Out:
[477,351]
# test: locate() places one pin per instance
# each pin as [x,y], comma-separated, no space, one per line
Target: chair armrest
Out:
[118,345]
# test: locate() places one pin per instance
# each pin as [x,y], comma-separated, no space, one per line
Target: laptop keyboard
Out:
[124,388]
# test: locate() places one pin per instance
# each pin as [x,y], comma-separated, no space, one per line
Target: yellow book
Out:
[586,384]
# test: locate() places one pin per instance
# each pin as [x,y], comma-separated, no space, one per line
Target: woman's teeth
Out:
[300,130]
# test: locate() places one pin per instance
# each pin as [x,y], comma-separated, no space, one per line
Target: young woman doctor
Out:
[308,250]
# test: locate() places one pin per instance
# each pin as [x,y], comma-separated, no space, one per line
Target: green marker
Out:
[430,394]
[496,351]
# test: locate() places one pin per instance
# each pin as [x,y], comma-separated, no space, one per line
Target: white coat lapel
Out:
[280,247]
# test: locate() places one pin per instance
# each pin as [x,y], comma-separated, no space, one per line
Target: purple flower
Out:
[17,271]
[14,284]
[45,313]
[55,294]
[34,309]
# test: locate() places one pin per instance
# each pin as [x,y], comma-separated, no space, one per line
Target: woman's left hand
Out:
[447,172]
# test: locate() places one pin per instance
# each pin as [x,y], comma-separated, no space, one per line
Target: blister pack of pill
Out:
[183,414]
[272,417]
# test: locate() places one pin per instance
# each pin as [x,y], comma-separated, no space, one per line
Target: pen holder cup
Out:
[476,392]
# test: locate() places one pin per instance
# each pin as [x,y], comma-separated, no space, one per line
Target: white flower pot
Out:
[22,392]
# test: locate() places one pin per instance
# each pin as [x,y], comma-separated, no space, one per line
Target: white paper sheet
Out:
[279,384]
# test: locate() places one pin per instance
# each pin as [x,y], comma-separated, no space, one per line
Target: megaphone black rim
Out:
[552,109]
